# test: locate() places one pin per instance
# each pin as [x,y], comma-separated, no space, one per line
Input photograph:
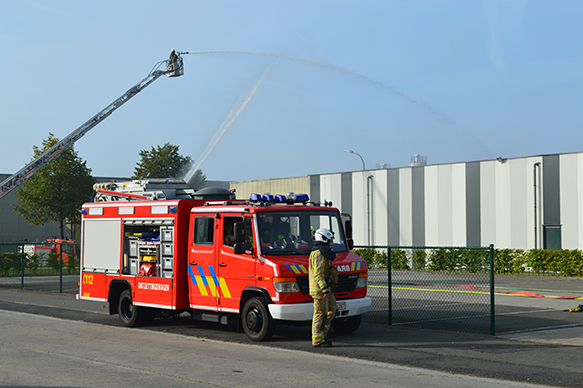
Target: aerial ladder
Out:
[174,68]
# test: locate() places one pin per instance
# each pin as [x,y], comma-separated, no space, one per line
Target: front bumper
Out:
[305,311]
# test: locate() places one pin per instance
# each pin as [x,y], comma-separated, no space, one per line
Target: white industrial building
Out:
[519,203]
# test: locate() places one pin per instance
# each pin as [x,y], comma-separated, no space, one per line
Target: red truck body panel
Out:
[180,255]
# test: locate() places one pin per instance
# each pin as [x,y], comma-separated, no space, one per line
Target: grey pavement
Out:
[547,354]
[46,351]
[550,287]
[513,293]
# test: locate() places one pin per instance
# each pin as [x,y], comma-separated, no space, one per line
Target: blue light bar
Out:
[280,198]
[302,198]
[255,197]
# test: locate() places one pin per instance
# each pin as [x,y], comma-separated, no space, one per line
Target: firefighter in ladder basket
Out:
[323,279]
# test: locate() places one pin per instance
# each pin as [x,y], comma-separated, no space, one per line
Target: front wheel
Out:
[346,325]
[257,322]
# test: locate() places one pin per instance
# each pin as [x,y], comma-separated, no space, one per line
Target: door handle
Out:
[192,263]
[222,265]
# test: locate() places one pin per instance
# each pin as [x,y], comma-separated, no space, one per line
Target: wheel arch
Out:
[116,287]
[251,291]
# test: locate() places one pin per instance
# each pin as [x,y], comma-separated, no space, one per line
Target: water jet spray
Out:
[330,66]
[232,116]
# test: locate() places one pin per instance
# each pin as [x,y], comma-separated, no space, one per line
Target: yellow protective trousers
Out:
[324,312]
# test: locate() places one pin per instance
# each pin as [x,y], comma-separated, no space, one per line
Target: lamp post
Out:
[356,153]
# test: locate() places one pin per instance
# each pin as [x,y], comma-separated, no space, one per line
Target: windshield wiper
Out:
[283,251]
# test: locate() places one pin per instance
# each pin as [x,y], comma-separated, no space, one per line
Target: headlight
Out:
[361,283]
[287,285]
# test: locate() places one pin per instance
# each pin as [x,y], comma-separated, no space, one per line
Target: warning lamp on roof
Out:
[280,198]
[255,198]
[302,198]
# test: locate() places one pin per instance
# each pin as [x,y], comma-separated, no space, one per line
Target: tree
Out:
[198,180]
[166,162]
[162,162]
[57,191]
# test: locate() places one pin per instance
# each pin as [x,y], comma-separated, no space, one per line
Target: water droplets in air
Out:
[231,117]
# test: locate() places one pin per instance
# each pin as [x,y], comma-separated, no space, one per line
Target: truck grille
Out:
[346,283]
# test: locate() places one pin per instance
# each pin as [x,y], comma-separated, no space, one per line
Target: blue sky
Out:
[451,80]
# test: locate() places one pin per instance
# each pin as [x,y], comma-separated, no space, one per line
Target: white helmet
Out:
[323,235]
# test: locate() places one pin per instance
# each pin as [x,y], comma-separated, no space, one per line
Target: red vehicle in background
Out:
[64,247]
[52,245]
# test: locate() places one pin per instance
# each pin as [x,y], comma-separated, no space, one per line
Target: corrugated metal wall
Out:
[243,190]
[463,204]
[14,228]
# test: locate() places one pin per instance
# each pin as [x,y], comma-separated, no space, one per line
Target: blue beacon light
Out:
[279,198]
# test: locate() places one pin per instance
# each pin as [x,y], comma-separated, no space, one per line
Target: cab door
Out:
[235,271]
[202,289]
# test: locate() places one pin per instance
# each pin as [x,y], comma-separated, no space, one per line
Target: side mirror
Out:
[350,244]
[239,232]
[239,248]
[348,229]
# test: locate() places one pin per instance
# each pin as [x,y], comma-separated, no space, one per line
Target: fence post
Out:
[21,265]
[492,306]
[390,284]
[61,268]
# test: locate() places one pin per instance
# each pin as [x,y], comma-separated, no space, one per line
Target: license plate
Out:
[341,305]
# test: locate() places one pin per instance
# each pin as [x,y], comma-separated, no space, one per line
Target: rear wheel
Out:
[129,314]
[346,325]
[257,322]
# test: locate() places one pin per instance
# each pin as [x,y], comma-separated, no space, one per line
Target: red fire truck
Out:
[154,247]
[63,248]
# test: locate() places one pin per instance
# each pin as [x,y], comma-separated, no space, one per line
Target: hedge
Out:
[506,261]
[10,263]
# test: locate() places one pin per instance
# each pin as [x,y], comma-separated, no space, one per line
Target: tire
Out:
[258,324]
[129,314]
[346,325]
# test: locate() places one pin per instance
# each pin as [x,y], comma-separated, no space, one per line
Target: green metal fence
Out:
[439,288]
[39,266]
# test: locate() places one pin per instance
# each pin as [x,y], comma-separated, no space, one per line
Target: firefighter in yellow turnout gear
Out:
[323,279]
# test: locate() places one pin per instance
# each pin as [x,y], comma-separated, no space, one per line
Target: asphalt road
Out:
[456,354]
[43,351]
[424,309]
[543,354]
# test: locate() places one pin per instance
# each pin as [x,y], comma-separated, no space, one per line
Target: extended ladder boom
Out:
[174,68]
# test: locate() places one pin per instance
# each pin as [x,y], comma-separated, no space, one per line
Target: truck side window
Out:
[204,228]
[228,230]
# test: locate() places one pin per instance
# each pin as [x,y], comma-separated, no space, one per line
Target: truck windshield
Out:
[289,232]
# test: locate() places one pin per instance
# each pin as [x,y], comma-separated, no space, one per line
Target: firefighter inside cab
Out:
[323,279]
